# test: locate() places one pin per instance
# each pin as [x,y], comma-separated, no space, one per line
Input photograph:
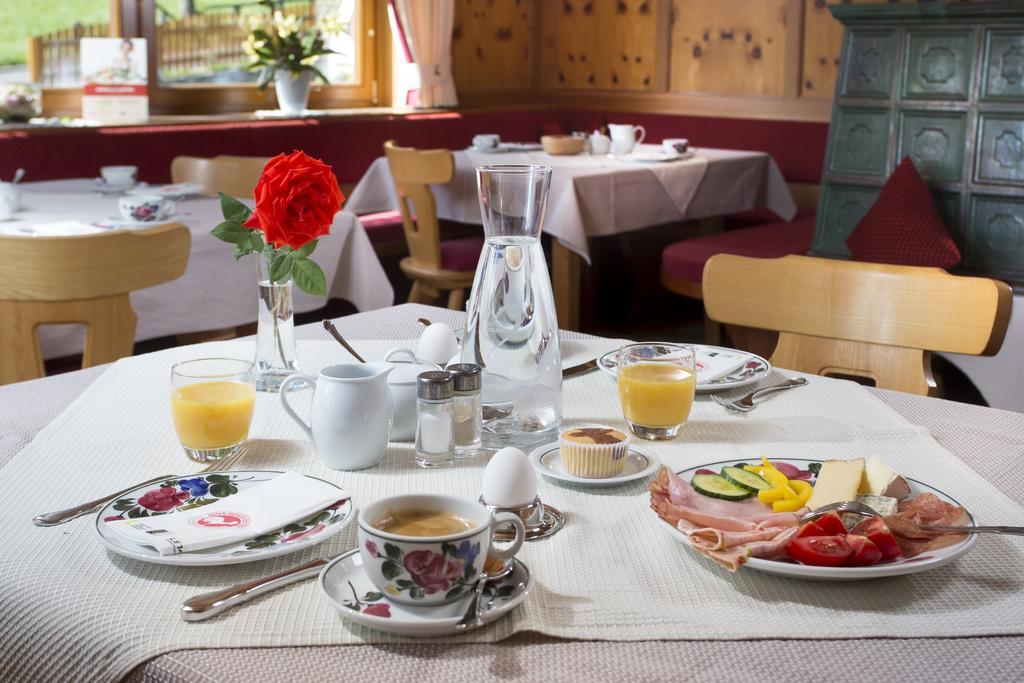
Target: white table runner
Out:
[216,291]
[611,574]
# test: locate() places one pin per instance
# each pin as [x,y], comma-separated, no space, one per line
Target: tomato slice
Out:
[831,524]
[810,529]
[820,551]
[878,533]
[865,553]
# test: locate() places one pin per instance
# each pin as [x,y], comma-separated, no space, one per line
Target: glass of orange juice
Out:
[212,401]
[657,382]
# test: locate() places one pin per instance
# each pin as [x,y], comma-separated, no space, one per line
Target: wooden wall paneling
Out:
[736,46]
[600,44]
[493,43]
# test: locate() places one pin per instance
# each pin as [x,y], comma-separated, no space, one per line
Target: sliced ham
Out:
[714,539]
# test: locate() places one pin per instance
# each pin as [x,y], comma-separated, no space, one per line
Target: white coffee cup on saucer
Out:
[675,146]
[625,136]
[486,141]
[145,208]
[119,176]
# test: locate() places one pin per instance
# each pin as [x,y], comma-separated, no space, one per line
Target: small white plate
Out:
[115,222]
[349,590]
[755,369]
[921,563]
[103,187]
[210,487]
[640,463]
[655,157]
[505,147]
[175,191]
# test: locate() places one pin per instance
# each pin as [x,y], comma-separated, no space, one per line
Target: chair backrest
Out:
[413,171]
[233,175]
[859,319]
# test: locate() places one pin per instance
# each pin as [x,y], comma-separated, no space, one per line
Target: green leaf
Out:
[124,504]
[281,266]
[232,231]
[306,249]
[223,490]
[416,593]
[256,240]
[390,570]
[266,75]
[404,583]
[392,551]
[135,513]
[452,593]
[233,209]
[309,278]
[319,74]
[218,478]
[448,549]
[373,597]
[292,528]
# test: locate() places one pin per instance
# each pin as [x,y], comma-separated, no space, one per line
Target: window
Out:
[39,38]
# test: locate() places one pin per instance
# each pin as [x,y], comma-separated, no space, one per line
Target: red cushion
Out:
[461,254]
[685,260]
[903,227]
[749,219]
[385,226]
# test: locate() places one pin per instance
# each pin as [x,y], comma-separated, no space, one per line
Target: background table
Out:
[594,196]
[216,291]
[990,441]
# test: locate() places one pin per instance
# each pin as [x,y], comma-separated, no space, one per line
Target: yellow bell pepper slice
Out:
[770,496]
[803,493]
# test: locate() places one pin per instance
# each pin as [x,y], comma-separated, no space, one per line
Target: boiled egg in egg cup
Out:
[510,485]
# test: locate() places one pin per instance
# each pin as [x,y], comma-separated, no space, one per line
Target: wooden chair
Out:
[233,175]
[859,319]
[434,265]
[80,279]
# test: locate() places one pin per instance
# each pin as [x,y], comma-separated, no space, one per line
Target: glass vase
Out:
[511,326]
[275,331]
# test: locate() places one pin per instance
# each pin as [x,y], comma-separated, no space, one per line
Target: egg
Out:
[509,479]
[437,344]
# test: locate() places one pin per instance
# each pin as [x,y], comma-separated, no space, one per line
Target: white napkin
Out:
[714,363]
[256,511]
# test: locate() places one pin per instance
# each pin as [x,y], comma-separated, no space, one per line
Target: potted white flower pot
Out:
[292,90]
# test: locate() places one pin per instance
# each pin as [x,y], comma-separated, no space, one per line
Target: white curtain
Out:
[427,25]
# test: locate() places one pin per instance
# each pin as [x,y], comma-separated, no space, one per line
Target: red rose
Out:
[381,609]
[163,499]
[432,571]
[296,199]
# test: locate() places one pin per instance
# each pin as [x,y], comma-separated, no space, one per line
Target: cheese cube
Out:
[837,481]
[881,480]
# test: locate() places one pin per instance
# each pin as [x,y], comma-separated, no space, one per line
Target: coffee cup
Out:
[625,136]
[145,208]
[427,550]
[486,141]
[675,146]
[119,176]
[10,200]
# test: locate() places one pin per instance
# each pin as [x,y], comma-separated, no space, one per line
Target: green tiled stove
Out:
[942,83]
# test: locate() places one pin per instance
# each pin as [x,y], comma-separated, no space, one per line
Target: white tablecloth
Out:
[593,196]
[216,291]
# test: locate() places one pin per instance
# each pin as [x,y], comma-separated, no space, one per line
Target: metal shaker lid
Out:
[434,385]
[467,376]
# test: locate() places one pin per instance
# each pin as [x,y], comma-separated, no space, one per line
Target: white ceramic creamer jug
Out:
[350,420]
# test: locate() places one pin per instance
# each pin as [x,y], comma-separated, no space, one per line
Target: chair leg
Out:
[110,330]
[456,299]
[21,359]
[415,295]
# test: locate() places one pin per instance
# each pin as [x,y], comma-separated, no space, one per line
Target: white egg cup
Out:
[541,520]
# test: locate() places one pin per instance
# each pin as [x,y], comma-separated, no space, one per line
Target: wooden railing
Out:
[200,42]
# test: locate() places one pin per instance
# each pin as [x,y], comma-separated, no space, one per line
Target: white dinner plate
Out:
[174,191]
[640,463]
[921,563]
[755,369]
[200,489]
[349,590]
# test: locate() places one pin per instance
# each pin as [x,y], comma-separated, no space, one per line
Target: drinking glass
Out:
[212,401]
[657,383]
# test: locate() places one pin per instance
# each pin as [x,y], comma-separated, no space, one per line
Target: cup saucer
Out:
[640,463]
[103,187]
[347,587]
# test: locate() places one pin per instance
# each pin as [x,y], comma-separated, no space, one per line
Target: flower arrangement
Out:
[296,199]
[276,42]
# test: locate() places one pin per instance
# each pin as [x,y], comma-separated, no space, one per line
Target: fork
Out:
[857,508]
[61,516]
[746,404]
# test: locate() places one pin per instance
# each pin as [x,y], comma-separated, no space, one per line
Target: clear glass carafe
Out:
[511,327]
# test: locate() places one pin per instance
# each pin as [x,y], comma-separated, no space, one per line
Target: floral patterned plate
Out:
[756,369]
[197,490]
[347,587]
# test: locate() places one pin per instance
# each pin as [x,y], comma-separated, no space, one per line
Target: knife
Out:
[580,369]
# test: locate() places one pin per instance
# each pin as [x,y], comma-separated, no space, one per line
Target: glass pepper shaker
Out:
[434,392]
[467,408]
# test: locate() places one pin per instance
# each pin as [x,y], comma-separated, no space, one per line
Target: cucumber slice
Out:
[716,486]
[744,479]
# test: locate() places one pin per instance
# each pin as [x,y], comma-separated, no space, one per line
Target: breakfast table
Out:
[598,195]
[216,291]
[614,598]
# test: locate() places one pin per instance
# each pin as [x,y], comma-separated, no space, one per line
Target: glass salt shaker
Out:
[434,391]
[467,408]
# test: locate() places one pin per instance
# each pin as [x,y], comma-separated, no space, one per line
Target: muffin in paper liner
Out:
[593,451]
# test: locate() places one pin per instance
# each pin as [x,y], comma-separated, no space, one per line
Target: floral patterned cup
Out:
[431,570]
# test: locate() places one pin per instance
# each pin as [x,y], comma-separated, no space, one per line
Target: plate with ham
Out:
[704,508]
